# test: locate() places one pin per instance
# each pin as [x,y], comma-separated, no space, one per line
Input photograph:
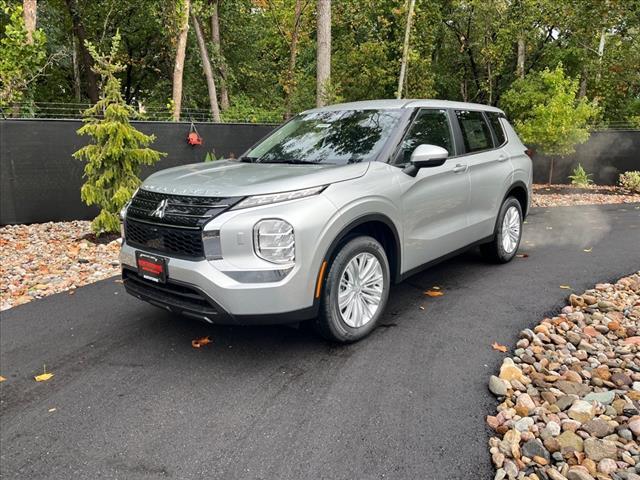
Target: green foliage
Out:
[580,177]
[20,61]
[630,181]
[117,151]
[547,113]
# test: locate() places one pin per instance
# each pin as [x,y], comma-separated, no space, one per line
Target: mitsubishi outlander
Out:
[318,219]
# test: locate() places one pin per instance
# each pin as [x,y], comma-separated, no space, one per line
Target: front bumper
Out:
[241,288]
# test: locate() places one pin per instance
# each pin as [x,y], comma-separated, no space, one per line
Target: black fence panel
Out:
[40,181]
[606,155]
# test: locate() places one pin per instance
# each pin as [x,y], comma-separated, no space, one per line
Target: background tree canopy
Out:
[263,52]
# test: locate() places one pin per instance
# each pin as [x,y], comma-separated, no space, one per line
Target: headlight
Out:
[258,200]
[274,241]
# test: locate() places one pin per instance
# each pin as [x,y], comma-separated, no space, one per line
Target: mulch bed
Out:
[567,195]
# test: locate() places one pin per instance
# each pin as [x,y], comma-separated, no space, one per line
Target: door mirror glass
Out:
[425,156]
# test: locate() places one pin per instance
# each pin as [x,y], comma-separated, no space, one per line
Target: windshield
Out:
[328,137]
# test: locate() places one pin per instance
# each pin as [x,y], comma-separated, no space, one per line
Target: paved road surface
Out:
[134,400]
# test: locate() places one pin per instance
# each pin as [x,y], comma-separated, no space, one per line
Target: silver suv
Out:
[319,218]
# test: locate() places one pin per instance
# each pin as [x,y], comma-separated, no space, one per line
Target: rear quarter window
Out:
[475,131]
[496,124]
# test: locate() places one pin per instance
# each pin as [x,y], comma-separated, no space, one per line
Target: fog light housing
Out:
[212,245]
[274,241]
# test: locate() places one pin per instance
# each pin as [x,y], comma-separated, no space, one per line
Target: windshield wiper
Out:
[295,161]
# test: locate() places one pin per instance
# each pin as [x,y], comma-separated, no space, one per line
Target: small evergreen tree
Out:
[548,114]
[117,150]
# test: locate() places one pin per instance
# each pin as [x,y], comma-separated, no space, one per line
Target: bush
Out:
[630,181]
[117,151]
[580,177]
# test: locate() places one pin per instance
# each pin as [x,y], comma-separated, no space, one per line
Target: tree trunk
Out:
[85,56]
[76,69]
[293,54]
[583,84]
[323,60]
[178,66]
[405,49]
[521,55]
[603,37]
[218,55]
[551,170]
[208,72]
[29,13]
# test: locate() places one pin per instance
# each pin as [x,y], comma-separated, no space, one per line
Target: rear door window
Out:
[494,120]
[475,131]
[431,126]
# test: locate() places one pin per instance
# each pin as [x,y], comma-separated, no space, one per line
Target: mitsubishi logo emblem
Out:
[160,209]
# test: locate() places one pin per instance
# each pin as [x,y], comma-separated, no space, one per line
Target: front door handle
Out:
[459,168]
[502,157]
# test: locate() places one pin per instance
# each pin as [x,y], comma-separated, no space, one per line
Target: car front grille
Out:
[170,240]
[172,224]
[177,210]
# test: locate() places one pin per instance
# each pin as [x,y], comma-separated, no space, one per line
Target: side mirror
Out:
[425,156]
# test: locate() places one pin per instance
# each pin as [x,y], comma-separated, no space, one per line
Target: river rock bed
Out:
[570,394]
[46,258]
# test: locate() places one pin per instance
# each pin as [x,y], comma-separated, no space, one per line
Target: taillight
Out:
[529,153]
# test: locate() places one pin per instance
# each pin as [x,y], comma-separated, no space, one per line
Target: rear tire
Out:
[508,234]
[356,291]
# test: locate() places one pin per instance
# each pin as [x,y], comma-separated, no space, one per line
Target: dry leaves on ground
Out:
[200,342]
[433,293]
[497,346]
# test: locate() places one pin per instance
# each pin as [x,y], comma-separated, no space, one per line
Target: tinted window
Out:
[494,120]
[430,127]
[338,136]
[475,131]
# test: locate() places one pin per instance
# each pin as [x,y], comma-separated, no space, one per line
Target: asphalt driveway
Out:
[133,399]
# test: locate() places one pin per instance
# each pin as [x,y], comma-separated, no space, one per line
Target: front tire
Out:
[356,291]
[508,234]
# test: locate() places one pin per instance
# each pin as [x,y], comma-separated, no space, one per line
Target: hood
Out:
[226,178]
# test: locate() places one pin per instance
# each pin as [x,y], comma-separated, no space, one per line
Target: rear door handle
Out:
[460,168]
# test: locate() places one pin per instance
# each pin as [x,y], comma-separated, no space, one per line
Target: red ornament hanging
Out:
[194,138]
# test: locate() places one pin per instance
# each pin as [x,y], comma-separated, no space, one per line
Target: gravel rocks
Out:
[570,404]
[47,258]
[568,195]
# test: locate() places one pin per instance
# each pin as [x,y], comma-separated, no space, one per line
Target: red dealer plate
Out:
[151,267]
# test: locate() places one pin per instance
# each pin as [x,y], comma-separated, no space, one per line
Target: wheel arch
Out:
[381,228]
[520,192]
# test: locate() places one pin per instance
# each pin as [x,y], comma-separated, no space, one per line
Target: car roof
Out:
[405,103]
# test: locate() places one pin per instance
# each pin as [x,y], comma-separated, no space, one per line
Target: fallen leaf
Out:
[522,255]
[421,307]
[43,377]
[118,280]
[433,293]
[565,287]
[588,250]
[199,342]
[71,292]
[2,379]
[52,410]
[498,347]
